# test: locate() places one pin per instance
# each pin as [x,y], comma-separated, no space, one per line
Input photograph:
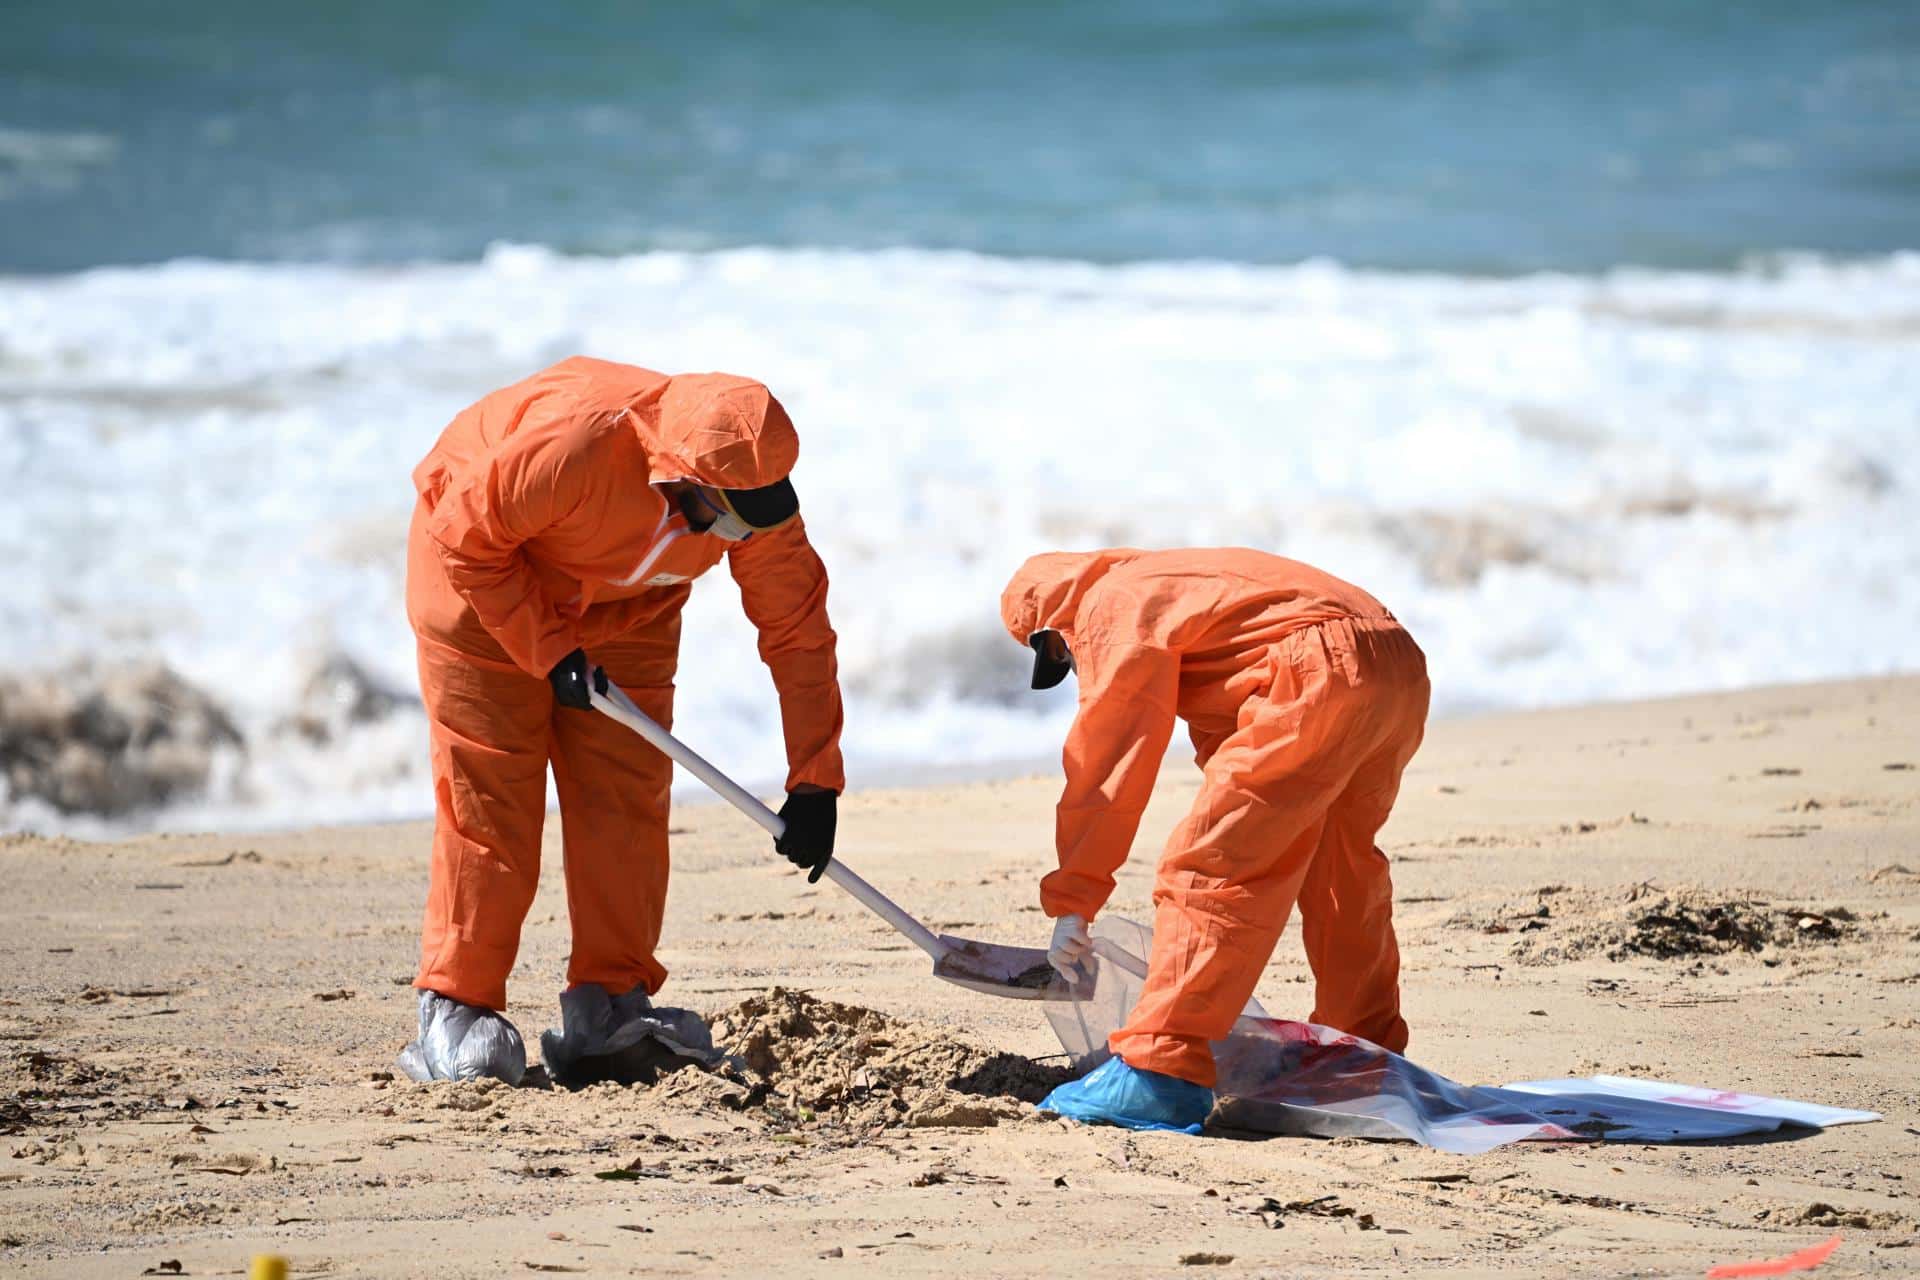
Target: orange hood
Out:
[720,429]
[1046,591]
[717,428]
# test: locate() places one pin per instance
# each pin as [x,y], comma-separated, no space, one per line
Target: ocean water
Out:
[1457,135]
[1589,340]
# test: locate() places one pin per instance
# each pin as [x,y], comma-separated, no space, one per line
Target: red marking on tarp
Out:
[1717,1102]
[1805,1260]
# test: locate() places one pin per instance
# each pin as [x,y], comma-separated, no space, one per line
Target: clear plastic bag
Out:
[1120,949]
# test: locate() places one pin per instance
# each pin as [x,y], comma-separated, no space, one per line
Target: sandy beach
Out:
[199,1036]
[1585,339]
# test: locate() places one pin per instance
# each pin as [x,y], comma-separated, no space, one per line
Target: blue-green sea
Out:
[1454,135]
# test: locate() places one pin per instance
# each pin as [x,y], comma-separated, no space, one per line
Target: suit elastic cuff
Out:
[548,655]
[830,775]
[1070,899]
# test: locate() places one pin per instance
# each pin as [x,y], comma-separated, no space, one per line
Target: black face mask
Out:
[1048,672]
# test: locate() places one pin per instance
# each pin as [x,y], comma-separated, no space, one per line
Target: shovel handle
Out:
[616,704]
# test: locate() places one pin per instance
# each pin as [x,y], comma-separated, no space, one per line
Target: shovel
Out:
[1021,973]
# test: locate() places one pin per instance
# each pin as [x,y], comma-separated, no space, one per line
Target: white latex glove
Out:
[1070,949]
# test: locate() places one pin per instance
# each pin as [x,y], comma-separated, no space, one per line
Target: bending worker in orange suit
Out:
[560,522]
[1305,700]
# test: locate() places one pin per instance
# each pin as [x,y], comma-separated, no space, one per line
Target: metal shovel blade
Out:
[1019,973]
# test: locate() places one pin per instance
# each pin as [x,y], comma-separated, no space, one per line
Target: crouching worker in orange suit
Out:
[560,522]
[1305,700]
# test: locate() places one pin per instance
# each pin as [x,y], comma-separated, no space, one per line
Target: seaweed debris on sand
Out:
[1564,924]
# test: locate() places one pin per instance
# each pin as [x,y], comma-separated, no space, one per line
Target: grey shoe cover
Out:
[463,1042]
[622,1038]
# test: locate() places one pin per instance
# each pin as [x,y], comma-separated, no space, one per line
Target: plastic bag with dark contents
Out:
[624,1039]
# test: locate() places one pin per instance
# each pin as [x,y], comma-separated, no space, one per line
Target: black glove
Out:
[810,817]
[569,680]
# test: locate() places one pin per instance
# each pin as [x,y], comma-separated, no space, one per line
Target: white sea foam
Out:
[1569,487]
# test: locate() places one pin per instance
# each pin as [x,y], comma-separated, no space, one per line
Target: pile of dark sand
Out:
[807,1062]
[1665,924]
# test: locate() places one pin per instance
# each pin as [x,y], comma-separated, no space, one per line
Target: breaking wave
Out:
[1571,487]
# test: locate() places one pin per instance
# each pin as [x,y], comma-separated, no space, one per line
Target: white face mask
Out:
[726,526]
[730,528]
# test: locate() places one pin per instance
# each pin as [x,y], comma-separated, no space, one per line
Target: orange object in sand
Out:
[1305,700]
[538,531]
[1805,1260]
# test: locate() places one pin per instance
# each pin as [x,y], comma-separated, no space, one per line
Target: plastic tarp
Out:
[1284,1077]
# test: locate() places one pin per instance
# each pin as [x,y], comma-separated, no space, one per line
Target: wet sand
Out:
[197,1038]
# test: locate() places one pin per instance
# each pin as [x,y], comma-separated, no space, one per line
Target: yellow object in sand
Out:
[267,1266]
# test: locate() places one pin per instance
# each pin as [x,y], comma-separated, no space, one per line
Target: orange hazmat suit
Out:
[537,531]
[1305,700]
